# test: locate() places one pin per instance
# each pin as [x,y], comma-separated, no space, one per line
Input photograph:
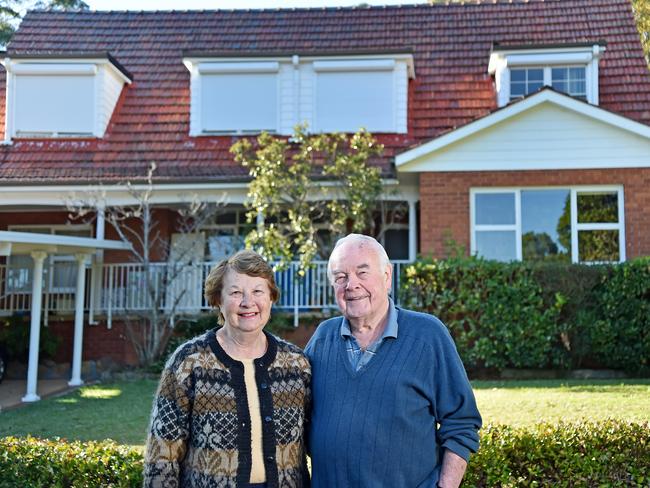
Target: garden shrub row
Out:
[609,453]
[541,315]
[31,463]
[605,454]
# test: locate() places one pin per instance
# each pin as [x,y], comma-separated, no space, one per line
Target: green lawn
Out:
[523,403]
[120,411]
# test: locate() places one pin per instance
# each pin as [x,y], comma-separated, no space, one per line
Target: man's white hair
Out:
[360,240]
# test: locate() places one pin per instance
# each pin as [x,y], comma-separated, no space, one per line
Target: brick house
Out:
[516,130]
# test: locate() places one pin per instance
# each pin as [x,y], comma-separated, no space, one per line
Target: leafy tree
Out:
[641,10]
[306,185]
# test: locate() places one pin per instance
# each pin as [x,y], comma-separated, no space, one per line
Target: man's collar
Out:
[391,324]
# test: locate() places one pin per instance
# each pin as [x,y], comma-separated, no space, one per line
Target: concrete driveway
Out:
[11,391]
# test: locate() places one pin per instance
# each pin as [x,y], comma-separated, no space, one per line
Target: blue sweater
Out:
[387,424]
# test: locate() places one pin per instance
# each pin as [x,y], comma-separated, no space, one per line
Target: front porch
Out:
[118,289]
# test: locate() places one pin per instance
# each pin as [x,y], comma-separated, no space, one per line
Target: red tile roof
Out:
[451,45]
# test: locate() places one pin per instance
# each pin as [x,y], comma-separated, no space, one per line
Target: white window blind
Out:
[60,104]
[239,102]
[346,101]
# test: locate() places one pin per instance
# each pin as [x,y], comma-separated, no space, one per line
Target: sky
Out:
[230,4]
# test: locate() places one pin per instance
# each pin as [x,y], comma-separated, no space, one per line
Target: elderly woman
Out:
[232,403]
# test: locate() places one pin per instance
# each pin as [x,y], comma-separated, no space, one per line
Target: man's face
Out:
[361,284]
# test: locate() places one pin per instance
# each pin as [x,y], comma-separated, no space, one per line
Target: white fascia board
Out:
[201,63]
[544,56]
[47,69]
[57,196]
[516,108]
[238,67]
[58,241]
[355,65]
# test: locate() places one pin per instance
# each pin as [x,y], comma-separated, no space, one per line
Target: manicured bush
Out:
[608,454]
[619,325]
[496,312]
[30,462]
[605,454]
[538,315]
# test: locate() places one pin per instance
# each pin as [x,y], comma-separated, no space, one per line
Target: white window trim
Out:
[575,226]
[51,67]
[502,61]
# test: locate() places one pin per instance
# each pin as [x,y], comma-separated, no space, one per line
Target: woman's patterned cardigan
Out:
[200,424]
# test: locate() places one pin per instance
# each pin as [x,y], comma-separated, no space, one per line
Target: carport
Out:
[39,246]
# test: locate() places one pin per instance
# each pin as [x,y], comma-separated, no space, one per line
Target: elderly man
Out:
[392,406]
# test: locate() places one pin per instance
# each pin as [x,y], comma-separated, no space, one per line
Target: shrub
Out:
[538,315]
[32,462]
[495,311]
[619,329]
[609,453]
[14,334]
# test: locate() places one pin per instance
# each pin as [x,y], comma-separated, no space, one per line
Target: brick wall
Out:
[99,342]
[444,202]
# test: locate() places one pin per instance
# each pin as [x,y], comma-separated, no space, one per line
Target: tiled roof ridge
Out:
[366,7]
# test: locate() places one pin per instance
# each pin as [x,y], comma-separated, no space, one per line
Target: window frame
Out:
[547,79]
[576,227]
[503,60]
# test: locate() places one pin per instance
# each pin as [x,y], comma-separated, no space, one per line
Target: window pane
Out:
[558,74]
[495,208]
[518,75]
[517,90]
[536,74]
[598,245]
[597,208]
[397,243]
[533,87]
[577,87]
[546,224]
[499,245]
[577,73]
[64,275]
[221,243]
[560,86]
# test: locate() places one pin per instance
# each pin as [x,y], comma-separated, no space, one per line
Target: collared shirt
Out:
[358,357]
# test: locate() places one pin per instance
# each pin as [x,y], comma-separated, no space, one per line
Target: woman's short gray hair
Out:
[360,239]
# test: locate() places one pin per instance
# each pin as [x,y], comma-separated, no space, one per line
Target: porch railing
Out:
[113,290]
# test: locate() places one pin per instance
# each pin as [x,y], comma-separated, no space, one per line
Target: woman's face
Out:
[245,302]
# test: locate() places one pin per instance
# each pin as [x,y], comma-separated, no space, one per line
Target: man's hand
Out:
[453,469]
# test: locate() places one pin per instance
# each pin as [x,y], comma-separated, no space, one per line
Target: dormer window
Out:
[520,71]
[55,98]
[328,93]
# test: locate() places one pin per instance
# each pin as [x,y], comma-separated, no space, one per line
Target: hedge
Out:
[539,315]
[608,454]
[605,454]
[31,462]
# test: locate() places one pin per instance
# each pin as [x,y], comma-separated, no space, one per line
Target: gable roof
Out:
[414,160]
[451,46]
